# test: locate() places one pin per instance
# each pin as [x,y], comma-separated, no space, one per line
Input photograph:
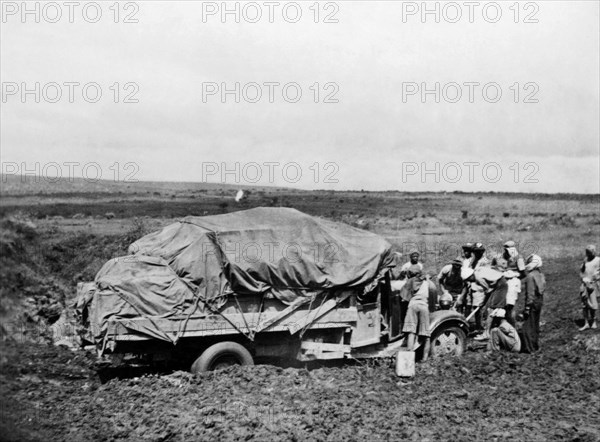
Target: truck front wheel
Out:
[450,341]
[221,355]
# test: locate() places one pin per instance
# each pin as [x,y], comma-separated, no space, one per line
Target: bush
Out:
[137,230]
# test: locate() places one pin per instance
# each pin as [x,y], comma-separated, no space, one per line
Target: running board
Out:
[387,352]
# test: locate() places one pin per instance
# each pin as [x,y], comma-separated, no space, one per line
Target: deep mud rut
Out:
[51,393]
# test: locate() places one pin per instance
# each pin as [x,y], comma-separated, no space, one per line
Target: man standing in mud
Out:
[590,281]
[474,295]
[422,296]
[463,303]
[515,270]
[534,285]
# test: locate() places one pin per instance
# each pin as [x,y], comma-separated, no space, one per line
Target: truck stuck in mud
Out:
[221,290]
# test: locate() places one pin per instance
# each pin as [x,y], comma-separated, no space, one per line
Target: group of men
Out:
[480,288]
[485,291]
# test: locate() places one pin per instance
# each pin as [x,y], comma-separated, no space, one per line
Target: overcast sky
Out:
[379,134]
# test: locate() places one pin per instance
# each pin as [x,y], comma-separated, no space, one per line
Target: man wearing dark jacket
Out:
[534,285]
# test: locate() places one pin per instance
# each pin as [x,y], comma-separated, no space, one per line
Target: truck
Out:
[222,290]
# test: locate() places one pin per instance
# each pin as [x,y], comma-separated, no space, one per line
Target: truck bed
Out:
[237,317]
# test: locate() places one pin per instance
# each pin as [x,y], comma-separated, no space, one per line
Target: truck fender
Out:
[447,318]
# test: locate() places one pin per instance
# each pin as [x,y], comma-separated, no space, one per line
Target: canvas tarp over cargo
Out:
[199,262]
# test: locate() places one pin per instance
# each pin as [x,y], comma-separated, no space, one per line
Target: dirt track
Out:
[54,394]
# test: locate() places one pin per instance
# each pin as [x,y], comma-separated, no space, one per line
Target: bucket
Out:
[405,364]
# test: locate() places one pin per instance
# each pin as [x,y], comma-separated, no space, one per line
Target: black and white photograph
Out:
[311,220]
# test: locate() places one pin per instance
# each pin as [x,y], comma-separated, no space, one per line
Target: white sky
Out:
[370,135]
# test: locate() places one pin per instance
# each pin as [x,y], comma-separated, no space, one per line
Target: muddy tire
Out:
[448,341]
[221,355]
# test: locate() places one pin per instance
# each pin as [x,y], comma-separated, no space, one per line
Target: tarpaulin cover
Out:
[203,260]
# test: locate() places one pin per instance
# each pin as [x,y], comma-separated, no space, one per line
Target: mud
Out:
[52,393]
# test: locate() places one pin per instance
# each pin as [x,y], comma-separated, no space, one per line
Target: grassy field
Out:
[54,235]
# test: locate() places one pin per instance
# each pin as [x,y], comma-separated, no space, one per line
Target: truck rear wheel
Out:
[221,355]
[450,341]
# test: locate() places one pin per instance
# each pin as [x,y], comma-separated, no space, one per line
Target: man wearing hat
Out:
[467,252]
[590,287]
[534,285]
[475,294]
[479,259]
[503,335]
[514,260]
[449,279]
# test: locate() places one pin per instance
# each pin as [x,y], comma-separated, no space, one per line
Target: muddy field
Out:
[52,393]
